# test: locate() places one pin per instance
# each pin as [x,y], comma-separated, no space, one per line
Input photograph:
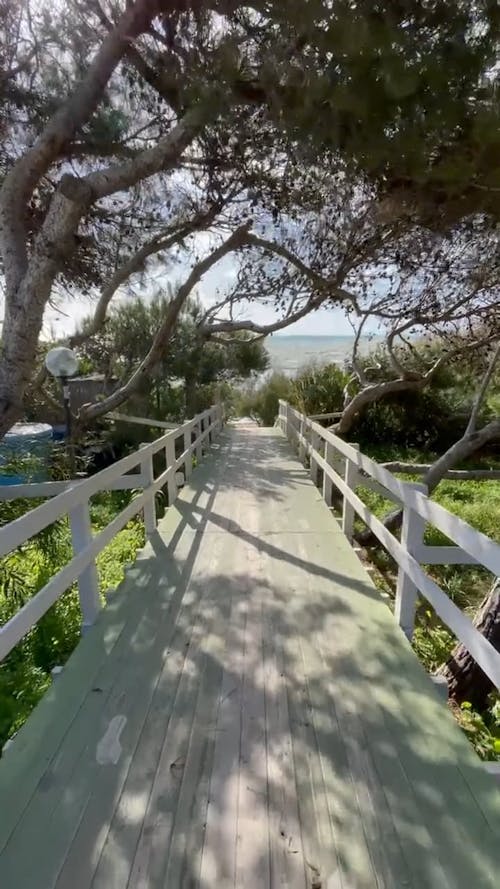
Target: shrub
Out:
[263,402]
[319,390]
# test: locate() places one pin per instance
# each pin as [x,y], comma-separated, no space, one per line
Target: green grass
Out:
[25,673]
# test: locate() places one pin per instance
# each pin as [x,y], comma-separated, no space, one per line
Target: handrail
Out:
[73,500]
[411,552]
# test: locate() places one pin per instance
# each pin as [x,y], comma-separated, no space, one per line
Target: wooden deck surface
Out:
[246,714]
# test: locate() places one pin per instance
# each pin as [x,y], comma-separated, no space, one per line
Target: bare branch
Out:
[162,338]
[134,264]
[334,291]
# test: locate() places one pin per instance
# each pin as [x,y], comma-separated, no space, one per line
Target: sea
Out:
[289,354]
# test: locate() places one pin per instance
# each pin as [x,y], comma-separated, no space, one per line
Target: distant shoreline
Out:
[291,352]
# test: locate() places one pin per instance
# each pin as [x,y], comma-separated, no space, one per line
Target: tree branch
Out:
[22,178]
[321,283]
[162,338]
[134,264]
[262,329]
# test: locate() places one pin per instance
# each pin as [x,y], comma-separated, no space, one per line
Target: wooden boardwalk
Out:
[246,713]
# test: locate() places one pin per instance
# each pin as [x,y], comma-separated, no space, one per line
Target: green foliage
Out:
[319,389]
[433,418]
[482,729]
[186,380]
[262,402]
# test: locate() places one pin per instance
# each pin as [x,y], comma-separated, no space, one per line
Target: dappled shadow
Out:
[279,728]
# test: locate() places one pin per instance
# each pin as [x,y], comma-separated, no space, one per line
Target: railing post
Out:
[282,415]
[351,477]
[412,535]
[302,446]
[288,423]
[88,582]
[149,505]
[170,461]
[188,462]
[199,448]
[315,445]
[327,482]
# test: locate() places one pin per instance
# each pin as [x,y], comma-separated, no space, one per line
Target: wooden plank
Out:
[50,489]
[130,845]
[287,863]
[38,740]
[141,421]
[86,724]
[218,860]
[252,841]
[443,555]
[141,808]
[404,723]
[65,803]
[345,855]
[184,859]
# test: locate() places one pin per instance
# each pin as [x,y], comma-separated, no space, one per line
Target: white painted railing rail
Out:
[72,499]
[346,468]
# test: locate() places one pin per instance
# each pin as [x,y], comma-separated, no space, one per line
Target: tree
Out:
[194,360]
[241,101]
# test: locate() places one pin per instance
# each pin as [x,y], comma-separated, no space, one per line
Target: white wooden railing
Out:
[345,468]
[71,498]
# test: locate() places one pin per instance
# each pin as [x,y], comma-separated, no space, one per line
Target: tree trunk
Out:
[372,394]
[466,681]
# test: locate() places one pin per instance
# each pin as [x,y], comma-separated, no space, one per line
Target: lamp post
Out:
[62,363]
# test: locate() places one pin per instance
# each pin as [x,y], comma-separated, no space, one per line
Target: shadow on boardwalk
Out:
[279,730]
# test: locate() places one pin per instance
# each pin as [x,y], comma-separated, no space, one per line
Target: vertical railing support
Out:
[288,423]
[315,446]
[88,582]
[412,536]
[282,416]
[327,482]
[302,434]
[199,450]
[188,462]
[149,506]
[170,461]
[351,477]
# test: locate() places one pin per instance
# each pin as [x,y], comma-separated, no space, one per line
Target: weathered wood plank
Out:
[37,742]
[279,730]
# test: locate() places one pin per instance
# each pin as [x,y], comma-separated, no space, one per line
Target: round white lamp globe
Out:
[61,362]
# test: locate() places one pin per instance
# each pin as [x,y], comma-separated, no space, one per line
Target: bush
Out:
[319,390]
[430,419]
[262,403]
